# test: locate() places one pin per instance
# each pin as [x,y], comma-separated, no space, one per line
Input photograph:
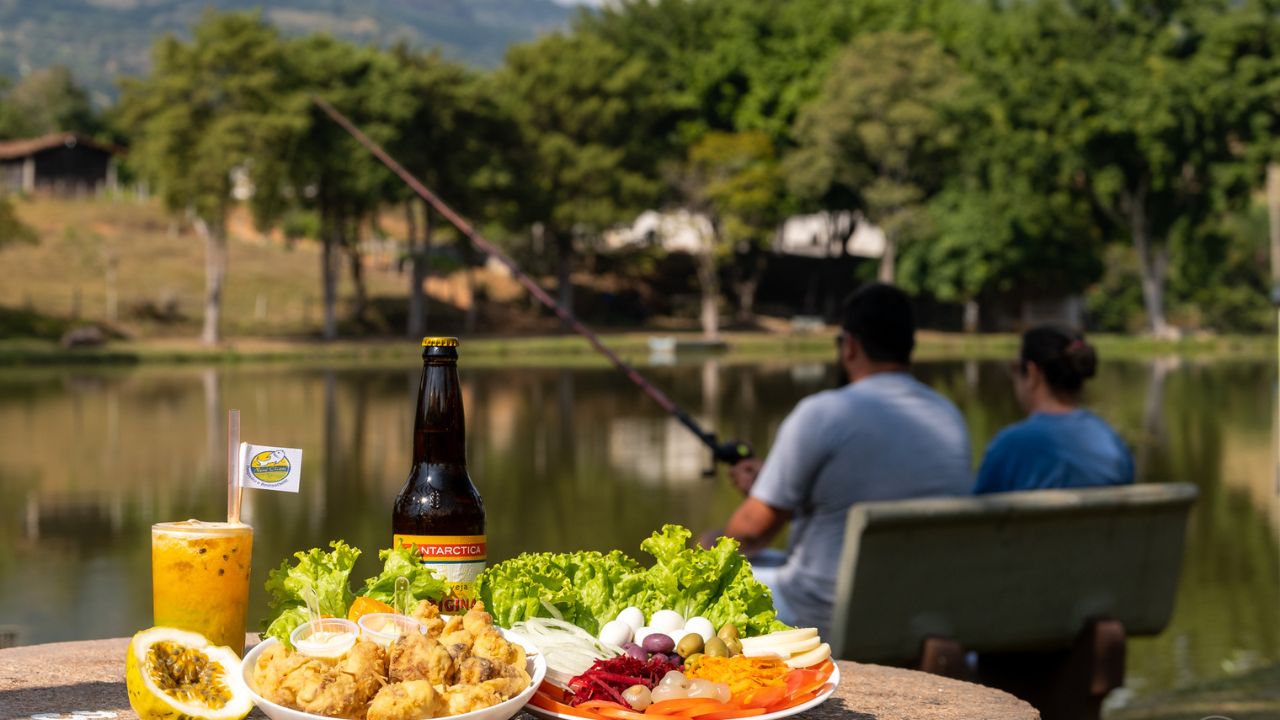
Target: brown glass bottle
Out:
[439,512]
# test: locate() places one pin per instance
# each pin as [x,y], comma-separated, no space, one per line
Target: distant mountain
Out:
[101,40]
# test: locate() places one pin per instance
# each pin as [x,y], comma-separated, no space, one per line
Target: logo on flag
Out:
[270,468]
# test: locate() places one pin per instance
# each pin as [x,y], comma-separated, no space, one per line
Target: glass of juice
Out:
[200,578]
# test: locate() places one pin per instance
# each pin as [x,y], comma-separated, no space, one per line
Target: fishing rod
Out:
[727,452]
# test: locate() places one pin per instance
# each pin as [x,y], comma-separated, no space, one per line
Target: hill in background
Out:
[100,40]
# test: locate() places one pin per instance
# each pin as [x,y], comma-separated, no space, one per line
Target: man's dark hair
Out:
[880,318]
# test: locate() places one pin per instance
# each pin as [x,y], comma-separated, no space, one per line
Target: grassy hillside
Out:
[271,288]
[101,40]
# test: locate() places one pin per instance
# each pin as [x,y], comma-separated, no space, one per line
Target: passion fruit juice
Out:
[200,579]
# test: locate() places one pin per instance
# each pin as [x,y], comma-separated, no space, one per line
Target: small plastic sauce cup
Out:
[326,637]
[386,628]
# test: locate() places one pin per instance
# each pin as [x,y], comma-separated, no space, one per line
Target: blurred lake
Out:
[566,459]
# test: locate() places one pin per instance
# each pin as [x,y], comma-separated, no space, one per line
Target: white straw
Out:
[233,466]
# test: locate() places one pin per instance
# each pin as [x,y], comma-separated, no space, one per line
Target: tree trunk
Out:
[889,261]
[748,282]
[360,306]
[972,315]
[709,283]
[330,232]
[215,272]
[413,327]
[1153,260]
[564,270]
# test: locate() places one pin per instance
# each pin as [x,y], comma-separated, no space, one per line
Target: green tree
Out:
[46,101]
[208,110]
[733,179]
[1007,221]
[318,166]
[592,121]
[882,130]
[454,141]
[1147,144]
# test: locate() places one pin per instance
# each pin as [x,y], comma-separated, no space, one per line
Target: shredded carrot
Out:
[742,674]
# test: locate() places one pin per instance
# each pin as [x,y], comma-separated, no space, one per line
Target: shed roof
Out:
[14,149]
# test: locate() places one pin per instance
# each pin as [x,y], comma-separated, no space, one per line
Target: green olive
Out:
[716,648]
[734,645]
[728,631]
[689,645]
[692,660]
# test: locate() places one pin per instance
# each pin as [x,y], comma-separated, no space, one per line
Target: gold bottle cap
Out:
[440,342]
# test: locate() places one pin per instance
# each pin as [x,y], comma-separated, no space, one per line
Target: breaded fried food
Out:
[366,661]
[335,687]
[476,621]
[492,646]
[505,680]
[475,670]
[428,613]
[409,700]
[466,698]
[418,657]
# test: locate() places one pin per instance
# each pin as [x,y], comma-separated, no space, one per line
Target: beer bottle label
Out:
[458,559]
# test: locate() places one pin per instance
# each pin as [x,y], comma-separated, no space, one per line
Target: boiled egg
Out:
[700,625]
[616,632]
[632,617]
[667,621]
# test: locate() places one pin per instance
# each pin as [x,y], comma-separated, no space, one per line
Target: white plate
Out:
[536,666]
[833,681]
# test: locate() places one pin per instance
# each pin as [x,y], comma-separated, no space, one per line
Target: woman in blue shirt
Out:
[1060,444]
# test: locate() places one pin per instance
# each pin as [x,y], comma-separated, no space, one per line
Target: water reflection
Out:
[566,459]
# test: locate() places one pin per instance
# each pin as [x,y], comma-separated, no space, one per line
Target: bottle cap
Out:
[440,342]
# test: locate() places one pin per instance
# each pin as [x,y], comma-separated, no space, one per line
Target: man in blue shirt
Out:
[1061,445]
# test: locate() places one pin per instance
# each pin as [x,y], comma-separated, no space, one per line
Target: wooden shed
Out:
[59,163]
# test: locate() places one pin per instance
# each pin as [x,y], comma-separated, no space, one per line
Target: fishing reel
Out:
[729,453]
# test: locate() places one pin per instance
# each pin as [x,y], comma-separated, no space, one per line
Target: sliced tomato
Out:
[797,679]
[796,700]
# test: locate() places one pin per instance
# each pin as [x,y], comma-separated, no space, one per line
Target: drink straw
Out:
[233,466]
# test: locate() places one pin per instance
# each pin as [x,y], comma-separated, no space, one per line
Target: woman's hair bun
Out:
[1082,357]
[1062,355]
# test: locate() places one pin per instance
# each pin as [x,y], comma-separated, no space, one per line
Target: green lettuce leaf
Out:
[587,589]
[716,583]
[424,584]
[326,573]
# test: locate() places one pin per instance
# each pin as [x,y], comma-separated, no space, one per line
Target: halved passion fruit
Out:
[177,675]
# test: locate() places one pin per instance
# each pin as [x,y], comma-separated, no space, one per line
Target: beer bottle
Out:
[439,513]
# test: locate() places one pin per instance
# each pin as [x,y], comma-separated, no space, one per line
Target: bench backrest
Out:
[1007,572]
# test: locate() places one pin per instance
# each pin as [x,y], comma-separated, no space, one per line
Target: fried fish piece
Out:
[476,621]
[466,698]
[336,687]
[428,613]
[409,700]
[418,657]
[492,646]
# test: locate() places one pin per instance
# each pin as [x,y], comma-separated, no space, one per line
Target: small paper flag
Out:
[270,468]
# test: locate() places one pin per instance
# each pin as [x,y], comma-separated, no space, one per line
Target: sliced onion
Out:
[568,649]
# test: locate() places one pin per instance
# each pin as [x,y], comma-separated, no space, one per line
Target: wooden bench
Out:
[1044,586]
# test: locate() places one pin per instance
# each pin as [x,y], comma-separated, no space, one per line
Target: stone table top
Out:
[60,680]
